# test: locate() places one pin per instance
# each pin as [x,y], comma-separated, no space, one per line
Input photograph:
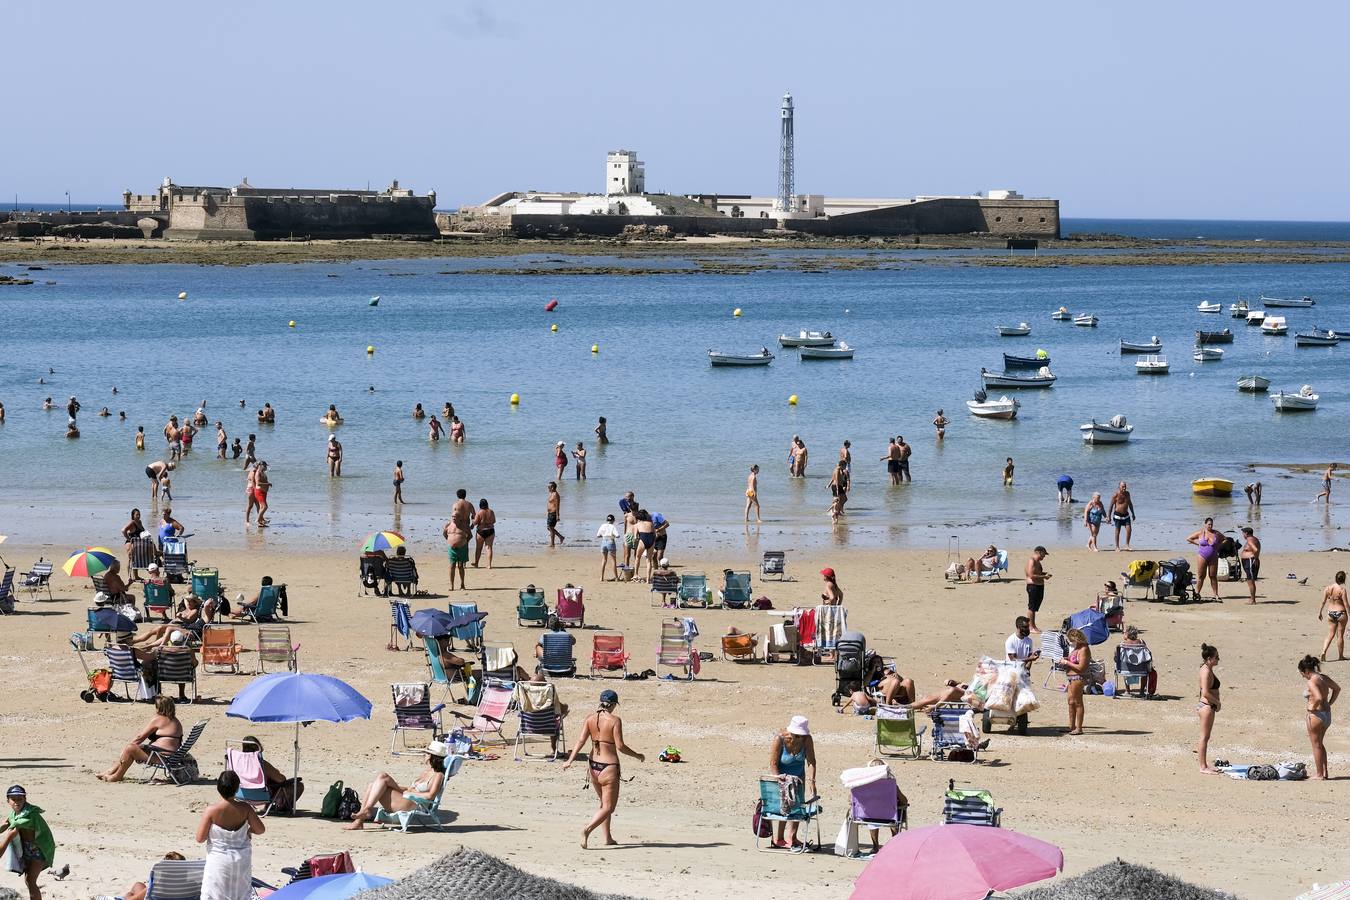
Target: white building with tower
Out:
[624,173]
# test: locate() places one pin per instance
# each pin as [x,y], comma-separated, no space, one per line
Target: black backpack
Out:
[349,805]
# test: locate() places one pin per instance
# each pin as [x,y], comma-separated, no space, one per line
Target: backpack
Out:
[758,824]
[331,801]
[349,805]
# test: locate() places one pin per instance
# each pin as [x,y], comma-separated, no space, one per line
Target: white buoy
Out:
[182,295]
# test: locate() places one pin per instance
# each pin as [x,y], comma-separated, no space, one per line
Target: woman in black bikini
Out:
[1208,704]
[605,731]
[1335,605]
[164,732]
[485,531]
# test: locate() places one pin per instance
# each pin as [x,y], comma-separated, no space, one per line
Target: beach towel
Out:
[334,864]
[806,626]
[406,695]
[536,698]
[690,628]
[495,659]
[790,792]
[856,778]
[248,766]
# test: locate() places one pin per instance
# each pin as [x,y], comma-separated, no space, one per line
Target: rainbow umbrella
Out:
[89,562]
[382,540]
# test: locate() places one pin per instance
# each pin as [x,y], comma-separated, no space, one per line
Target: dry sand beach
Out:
[1129,787]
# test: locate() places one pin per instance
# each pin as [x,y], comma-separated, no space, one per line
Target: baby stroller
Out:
[1229,567]
[1174,580]
[849,665]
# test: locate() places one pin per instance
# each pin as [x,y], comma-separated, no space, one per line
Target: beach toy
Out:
[292,324]
[182,295]
[550,306]
[554,328]
[595,348]
[515,399]
[370,349]
[736,313]
[792,401]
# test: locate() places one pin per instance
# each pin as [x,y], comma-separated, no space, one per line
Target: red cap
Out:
[827,572]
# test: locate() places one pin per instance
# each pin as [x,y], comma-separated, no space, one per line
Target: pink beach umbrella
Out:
[956,862]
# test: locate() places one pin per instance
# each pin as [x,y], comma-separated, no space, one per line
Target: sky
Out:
[1139,110]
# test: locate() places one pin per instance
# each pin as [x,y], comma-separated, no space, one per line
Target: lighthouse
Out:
[784,204]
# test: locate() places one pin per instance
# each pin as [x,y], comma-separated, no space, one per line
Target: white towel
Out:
[409,694]
[856,778]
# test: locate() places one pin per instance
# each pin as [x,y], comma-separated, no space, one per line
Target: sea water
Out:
[684,434]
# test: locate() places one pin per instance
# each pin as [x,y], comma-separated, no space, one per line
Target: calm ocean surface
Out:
[684,433]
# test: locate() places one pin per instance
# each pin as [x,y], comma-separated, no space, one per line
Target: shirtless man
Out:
[553,514]
[905,451]
[792,454]
[334,457]
[846,456]
[222,441]
[267,415]
[1250,559]
[1036,579]
[892,460]
[629,526]
[602,432]
[156,471]
[174,438]
[752,495]
[1336,607]
[1326,484]
[457,533]
[800,461]
[1122,514]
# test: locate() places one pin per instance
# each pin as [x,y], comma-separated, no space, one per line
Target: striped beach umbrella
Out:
[382,540]
[89,562]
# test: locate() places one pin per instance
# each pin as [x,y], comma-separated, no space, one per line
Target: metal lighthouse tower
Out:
[785,202]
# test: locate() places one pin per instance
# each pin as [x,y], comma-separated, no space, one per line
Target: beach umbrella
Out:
[432,622]
[953,862]
[109,619]
[382,540]
[89,562]
[1338,891]
[331,887]
[299,697]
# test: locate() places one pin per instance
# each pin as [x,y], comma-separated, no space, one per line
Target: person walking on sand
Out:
[940,422]
[905,451]
[1250,560]
[1036,577]
[553,514]
[604,731]
[892,460]
[1329,474]
[1321,693]
[1206,542]
[25,824]
[1122,514]
[398,481]
[579,455]
[1092,519]
[1336,607]
[1208,704]
[608,534]
[334,457]
[484,531]
[751,495]
[456,533]
[1008,472]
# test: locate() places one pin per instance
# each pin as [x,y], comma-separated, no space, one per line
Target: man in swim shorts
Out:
[1036,579]
[553,514]
[457,532]
[892,460]
[156,471]
[1251,561]
[1122,514]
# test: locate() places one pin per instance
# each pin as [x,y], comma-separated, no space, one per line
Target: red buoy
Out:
[551,306]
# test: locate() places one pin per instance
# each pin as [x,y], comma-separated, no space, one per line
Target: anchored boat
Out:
[1303,401]
[1039,379]
[1026,362]
[1253,384]
[1002,408]
[1062,314]
[1085,320]
[1274,325]
[1212,487]
[1239,309]
[1214,337]
[1206,354]
[841,351]
[1153,346]
[1287,302]
[807,339]
[1021,329]
[1210,306]
[1117,431]
[1316,338]
[1152,365]
[762,358]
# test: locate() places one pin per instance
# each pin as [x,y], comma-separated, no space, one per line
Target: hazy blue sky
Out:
[1206,110]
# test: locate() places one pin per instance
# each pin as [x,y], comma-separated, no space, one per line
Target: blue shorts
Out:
[609,547]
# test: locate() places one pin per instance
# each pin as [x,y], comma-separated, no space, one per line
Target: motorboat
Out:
[1209,306]
[1026,362]
[1316,338]
[807,339]
[1002,408]
[839,351]
[1274,325]
[1253,384]
[1085,320]
[1062,315]
[1152,365]
[1042,378]
[1153,346]
[1212,487]
[1287,302]
[1214,337]
[762,358]
[1303,401]
[1239,309]
[1256,317]
[1117,431]
[1021,329]
[1206,354]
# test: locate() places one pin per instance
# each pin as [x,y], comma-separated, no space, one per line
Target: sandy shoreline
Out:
[1129,787]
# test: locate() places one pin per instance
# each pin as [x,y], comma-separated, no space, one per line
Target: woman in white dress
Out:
[226,828]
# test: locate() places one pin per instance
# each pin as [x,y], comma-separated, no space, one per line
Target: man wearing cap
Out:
[1036,579]
[37,847]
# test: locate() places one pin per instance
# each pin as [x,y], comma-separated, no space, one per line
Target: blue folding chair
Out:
[805,810]
[736,590]
[400,625]
[471,634]
[439,676]
[947,734]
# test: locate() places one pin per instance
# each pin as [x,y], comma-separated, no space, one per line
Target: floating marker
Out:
[370,349]
[737,312]
[374,301]
[515,399]
[292,324]
[792,401]
[595,348]
[182,295]
[846,312]
[550,306]
[554,328]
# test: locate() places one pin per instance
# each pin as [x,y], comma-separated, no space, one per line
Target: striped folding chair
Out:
[38,578]
[275,647]
[493,707]
[176,667]
[969,807]
[676,650]
[7,592]
[413,712]
[947,734]
[1053,650]
[122,662]
[400,625]
[171,764]
[540,717]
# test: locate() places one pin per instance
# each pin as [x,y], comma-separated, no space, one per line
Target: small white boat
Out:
[762,358]
[1317,337]
[1304,400]
[1274,325]
[1152,365]
[1256,317]
[1062,315]
[1206,354]
[1002,408]
[840,351]
[1253,384]
[1086,320]
[1290,302]
[1021,329]
[1117,431]
[1239,309]
[1038,379]
[1209,306]
[1153,346]
[807,339]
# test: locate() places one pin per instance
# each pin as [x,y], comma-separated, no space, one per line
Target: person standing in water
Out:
[334,457]
[1329,474]
[1122,514]
[604,731]
[752,494]
[1008,472]
[579,454]
[940,422]
[892,460]
[602,432]
[398,481]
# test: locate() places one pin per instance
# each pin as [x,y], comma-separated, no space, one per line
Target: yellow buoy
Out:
[737,312]
[792,401]
[554,328]
[370,349]
[515,399]
[595,348]
[292,324]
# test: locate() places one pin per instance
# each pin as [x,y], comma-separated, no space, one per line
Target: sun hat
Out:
[16,791]
[437,748]
[562,443]
[827,572]
[153,567]
[332,438]
[609,697]
[177,637]
[799,725]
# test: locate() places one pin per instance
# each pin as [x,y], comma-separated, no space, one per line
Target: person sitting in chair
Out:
[284,791]
[400,571]
[248,607]
[557,641]
[987,562]
[388,796]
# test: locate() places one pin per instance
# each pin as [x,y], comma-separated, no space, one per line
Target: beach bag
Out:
[100,682]
[186,771]
[1026,702]
[349,806]
[1292,771]
[1262,773]
[846,844]
[331,801]
[758,824]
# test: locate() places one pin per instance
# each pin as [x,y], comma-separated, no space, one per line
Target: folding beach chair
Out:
[1054,648]
[540,717]
[275,647]
[158,600]
[171,764]
[739,647]
[373,572]
[898,734]
[498,661]
[413,712]
[774,564]
[608,654]
[143,552]
[320,865]
[426,814]
[997,569]
[677,648]
[969,807]
[247,764]
[664,585]
[400,625]
[471,634]
[401,573]
[219,649]
[571,608]
[177,566]
[947,733]
[783,642]
[7,592]
[799,810]
[831,623]
[735,593]
[559,656]
[175,667]
[1134,666]
[693,591]
[436,672]
[38,578]
[874,803]
[532,609]
[493,708]
[108,622]
[181,879]
[122,664]
[266,608]
[1140,573]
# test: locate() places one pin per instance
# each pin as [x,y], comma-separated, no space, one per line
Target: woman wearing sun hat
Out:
[386,793]
[794,753]
[605,732]
[560,457]
[25,823]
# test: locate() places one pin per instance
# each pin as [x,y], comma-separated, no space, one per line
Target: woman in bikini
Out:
[645,533]
[164,733]
[1207,541]
[1335,605]
[605,731]
[485,531]
[386,793]
[1321,693]
[1077,664]
[1208,705]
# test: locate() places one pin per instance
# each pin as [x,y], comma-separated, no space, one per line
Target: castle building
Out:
[624,174]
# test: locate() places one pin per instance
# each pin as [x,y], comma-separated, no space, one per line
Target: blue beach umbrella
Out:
[432,622]
[331,887]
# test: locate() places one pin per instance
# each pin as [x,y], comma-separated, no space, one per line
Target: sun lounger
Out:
[143,552]
[663,586]
[676,649]
[7,592]
[158,600]
[320,865]
[559,657]
[874,803]
[969,807]
[437,673]
[947,732]
[400,626]
[181,879]
[265,610]
[735,593]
